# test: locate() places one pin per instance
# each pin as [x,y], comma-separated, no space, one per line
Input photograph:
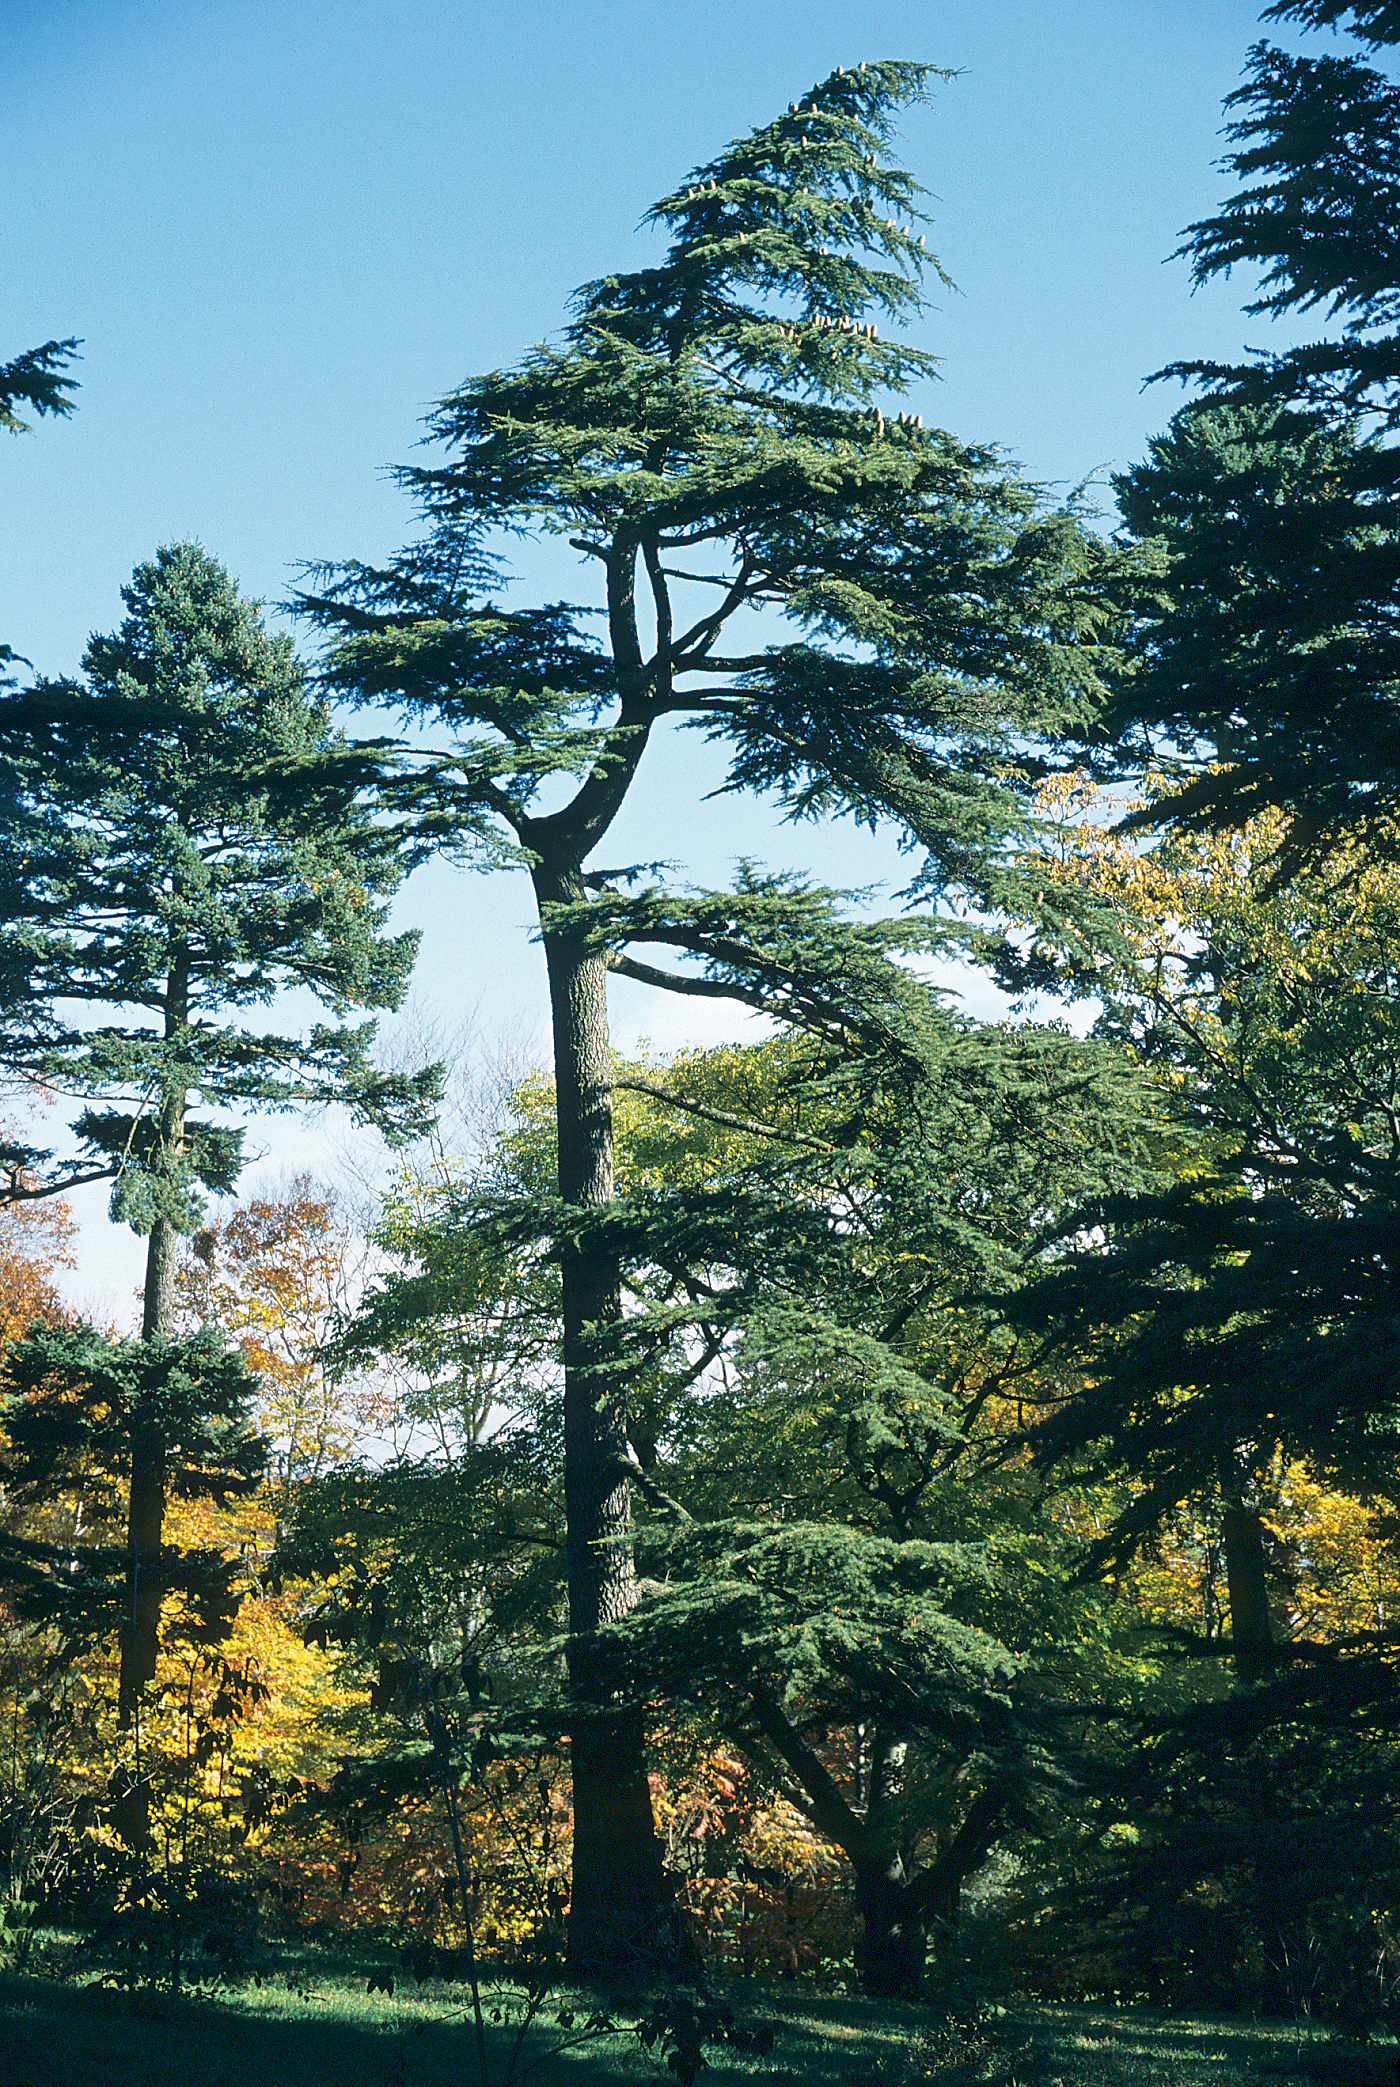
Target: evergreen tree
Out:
[192,845]
[135,1420]
[1249,1313]
[824,1582]
[1234,1329]
[1268,650]
[189,845]
[36,380]
[1263,666]
[1250,1305]
[709,436]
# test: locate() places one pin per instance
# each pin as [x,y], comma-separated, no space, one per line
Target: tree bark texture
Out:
[145,1519]
[140,1638]
[1251,1629]
[621,1916]
[893,1947]
[158,1297]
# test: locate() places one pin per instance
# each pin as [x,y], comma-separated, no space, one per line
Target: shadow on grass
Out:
[317,2026]
[1130,2047]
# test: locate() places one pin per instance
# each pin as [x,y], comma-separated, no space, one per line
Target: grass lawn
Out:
[314,2025]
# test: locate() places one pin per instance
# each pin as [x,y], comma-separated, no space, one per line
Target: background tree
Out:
[1270,476]
[171,874]
[36,1242]
[36,380]
[709,436]
[278,1274]
[1255,1305]
[1236,1337]
[794,1226]
[1262,668]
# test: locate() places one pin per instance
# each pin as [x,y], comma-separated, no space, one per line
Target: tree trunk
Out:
[893,1946]
[1251,1630]
[158,1297]
[621,1919]
[898,1910]
[140,1637]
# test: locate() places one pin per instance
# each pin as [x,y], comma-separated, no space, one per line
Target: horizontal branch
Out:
[673,981]
[17,1191]
[728,1117]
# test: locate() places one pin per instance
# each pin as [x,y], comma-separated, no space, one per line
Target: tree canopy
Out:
[709,435]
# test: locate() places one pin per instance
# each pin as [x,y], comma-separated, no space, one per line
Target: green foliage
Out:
[1250,1302]
[19,1922]
[719,407]
[161,868]
[797,1228]
[1262,668]
[82,1407]
[35,379]
[708,434]
[1270,640]
[1234,1329]
[458,1562]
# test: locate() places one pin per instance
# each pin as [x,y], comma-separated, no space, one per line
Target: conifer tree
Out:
[1249,1306]
[1277,496]
[1233,1330]
[710,436]
[34,379]
[824,1584]
[189,845]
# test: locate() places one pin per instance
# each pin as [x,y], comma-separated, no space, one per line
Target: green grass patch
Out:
[313,2023]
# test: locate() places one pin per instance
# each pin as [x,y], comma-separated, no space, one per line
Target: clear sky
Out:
[283,228]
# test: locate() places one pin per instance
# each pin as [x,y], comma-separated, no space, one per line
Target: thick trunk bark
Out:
[158,1297]
[894,1943]
[894,1939]
[898,1911]
[1251,1629]
[621,1919]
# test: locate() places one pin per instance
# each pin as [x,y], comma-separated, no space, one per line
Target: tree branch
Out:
[677,982]
[827,1808]
[626,1467]
[17,1191]
[935,1890]
[725,1116]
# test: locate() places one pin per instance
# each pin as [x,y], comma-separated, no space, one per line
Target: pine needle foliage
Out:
[710,434]
[1268,647]
[822,1581]
[186,846]
[82,1411]
[35,379]
[159,869]
[713,424]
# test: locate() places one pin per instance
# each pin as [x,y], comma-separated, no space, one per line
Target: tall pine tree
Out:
[189,845]
[709,435]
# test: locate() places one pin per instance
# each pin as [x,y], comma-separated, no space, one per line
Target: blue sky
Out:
[282,230]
